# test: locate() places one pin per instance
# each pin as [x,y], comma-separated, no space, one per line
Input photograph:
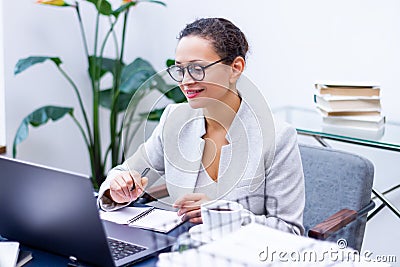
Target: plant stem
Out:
[123,35]
[119,137]
[90,143]
[115,39]
[90,150]
[129,117]
[121,127]
[100,59]
[115,138]
[80,103]
[105,42]
[132,135]
[81,130]
[82,29]
[99,168]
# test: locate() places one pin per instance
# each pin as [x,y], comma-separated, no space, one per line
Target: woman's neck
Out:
[220,114]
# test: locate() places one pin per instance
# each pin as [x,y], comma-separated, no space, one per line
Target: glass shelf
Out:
[309,122]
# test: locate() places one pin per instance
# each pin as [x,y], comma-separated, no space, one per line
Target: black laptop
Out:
[56,211]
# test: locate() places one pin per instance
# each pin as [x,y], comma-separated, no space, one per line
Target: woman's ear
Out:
[237,65]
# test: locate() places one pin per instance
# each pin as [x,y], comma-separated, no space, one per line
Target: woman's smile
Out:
[192,93]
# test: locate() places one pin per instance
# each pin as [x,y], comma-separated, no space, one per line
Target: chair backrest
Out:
[335,180]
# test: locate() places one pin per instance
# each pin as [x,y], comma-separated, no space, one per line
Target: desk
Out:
[309,122]
[253,245]
[43,258]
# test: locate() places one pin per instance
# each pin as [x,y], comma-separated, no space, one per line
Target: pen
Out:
[144,172]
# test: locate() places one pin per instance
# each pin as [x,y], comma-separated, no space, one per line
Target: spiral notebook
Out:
[149,218]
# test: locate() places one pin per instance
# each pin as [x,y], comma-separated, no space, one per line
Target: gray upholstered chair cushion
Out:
[335,180]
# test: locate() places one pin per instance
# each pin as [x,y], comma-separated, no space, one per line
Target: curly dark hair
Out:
[228,40]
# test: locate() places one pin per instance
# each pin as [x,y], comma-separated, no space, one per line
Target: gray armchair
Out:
[338,187]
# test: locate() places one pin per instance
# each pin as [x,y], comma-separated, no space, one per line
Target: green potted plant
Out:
[127,79]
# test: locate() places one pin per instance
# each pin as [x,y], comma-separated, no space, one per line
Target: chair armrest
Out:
[158,191]
[366,209]
[337,221]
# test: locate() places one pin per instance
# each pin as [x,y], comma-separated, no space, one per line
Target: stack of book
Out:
[350,105]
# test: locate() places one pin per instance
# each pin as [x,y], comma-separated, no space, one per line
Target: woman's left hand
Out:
[189,206]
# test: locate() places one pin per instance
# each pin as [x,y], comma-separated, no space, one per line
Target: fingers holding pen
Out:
[126,182]
[139,188]
[119,187]
[136,174]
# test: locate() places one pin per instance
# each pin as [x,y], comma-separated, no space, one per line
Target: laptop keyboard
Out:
[120,250]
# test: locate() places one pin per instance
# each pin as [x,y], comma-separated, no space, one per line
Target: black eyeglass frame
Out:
[191,64]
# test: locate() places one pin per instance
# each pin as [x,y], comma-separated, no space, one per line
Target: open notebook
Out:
[149,218]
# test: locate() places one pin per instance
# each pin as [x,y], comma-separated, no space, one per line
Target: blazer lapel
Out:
[183,156]
[241,161]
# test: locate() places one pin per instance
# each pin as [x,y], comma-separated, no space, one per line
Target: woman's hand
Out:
[120,187]
[189,206]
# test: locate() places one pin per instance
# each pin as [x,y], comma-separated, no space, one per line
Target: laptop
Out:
[56,211]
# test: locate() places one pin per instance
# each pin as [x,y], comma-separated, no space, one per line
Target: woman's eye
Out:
[179,71]
[196,69]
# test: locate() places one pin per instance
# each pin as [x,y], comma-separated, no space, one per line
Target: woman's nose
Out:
[187,78]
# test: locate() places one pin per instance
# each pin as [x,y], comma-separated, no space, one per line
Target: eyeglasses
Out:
[195,70]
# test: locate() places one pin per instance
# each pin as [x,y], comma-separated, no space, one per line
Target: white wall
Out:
[293,43]
[2,100]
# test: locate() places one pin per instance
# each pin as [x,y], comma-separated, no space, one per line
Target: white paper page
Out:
[345,97]
[122,216]
[158,219]
[8,253]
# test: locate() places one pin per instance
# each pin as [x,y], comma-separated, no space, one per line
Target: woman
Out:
[221,144]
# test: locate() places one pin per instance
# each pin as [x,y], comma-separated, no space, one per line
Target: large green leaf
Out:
[26,63]
[137,65]
[152,1]
[153,115]
[172,91]
[37,118]
[170,62]
[175,94]
[122,8]
[107,65]
[103,6]
[135,74]
[126,6]
[122,101]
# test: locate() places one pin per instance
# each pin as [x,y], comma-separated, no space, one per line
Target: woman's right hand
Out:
[120,187]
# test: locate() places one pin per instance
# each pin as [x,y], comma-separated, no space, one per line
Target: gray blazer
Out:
[262,161]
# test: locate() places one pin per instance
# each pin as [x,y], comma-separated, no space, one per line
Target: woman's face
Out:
[215,85]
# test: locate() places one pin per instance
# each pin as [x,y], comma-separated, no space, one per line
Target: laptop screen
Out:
[56,211]
[51,210]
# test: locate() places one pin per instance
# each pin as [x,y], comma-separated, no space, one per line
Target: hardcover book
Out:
[348,89]
[347,103]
